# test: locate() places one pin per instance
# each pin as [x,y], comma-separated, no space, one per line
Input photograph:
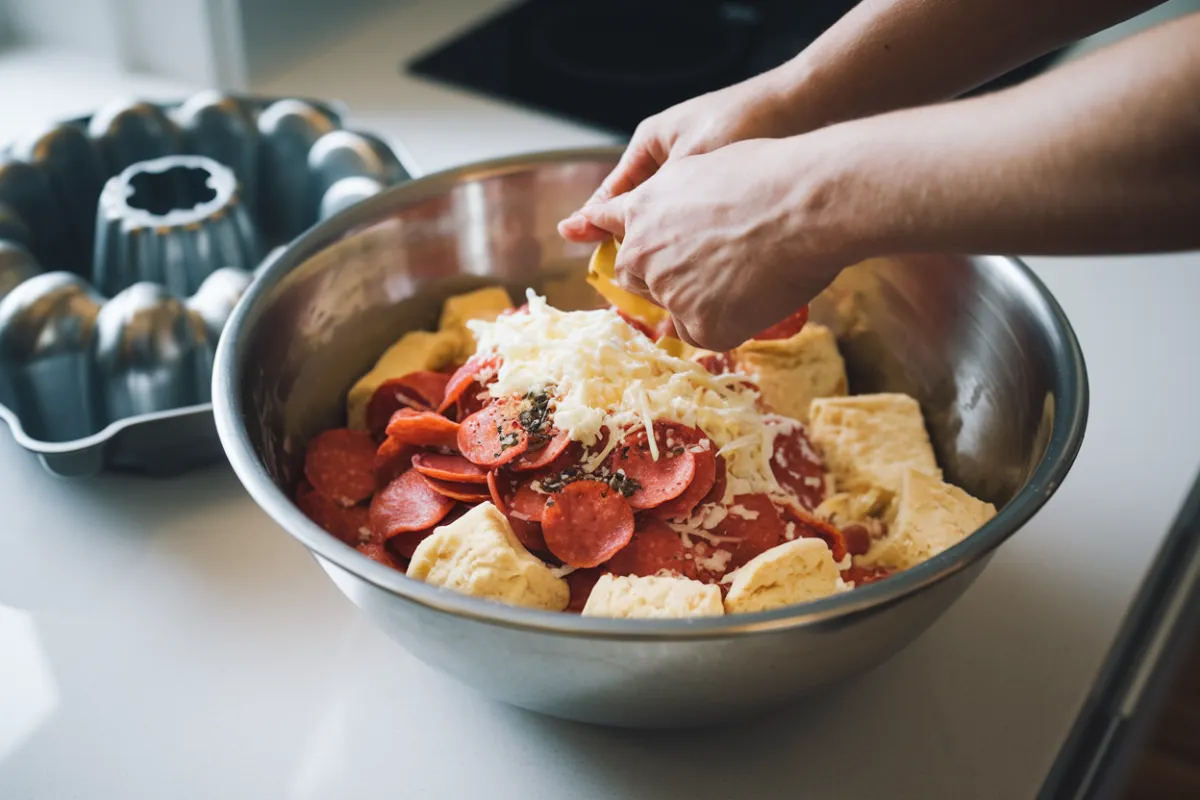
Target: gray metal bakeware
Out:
[126,238]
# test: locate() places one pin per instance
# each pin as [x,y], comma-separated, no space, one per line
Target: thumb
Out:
[637,165]
[608,216]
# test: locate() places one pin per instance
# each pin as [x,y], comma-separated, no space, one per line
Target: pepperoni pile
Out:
[437,443]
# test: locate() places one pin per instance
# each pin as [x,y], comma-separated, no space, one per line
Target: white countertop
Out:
[166,639]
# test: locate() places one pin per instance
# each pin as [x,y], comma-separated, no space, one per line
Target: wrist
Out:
[787,97]
[844,194]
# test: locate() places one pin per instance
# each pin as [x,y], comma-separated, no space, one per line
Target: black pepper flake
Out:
[623,484]
[554,483]
[534,418]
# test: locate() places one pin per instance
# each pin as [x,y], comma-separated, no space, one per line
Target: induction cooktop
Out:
[561,57]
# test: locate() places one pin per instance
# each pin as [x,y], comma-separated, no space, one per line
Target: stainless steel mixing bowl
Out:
[979,341]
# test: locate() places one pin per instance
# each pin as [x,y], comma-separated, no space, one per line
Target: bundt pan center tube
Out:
[126,238]
[979,341]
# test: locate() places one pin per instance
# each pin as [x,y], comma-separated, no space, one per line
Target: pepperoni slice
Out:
[392,459]
[702,483]
[351,525]
[797,466]
[404,546]
[423,428]
[586,523]
[717,493]
[494,436]
[377,552]
[527,503]
[653,548]
[813,528]
[756,535]
[717,363]
[858,539]
[340,464]
[430,385]
[661,480]
[528,533]
[861,576]
[554,447]
[496,492]
[449,468]
[787,327]
[464,377]
[472,402]
[581,582]
[421,391]
[637,325]
[462,492]
[407,504]
[387,399]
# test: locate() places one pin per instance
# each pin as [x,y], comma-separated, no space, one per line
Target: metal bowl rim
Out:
[1066,437]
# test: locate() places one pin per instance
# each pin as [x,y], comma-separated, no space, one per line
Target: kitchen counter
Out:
[166,639]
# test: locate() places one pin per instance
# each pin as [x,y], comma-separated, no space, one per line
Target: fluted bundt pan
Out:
[126,238]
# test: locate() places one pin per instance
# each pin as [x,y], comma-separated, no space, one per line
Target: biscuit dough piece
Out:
[793,372]
[414,351]
[478,555]
[787,574]
[631,597]
[482,304]
[870,440]
[931,515]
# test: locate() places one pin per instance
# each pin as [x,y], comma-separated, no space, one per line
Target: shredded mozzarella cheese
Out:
[601,373]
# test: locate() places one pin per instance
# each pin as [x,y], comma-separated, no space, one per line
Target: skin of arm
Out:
[881,56]
[1098,156]
[885,55]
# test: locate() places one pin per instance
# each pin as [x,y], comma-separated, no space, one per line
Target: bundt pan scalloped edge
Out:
[126,238]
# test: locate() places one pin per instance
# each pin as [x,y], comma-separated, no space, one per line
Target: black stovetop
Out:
[559,56]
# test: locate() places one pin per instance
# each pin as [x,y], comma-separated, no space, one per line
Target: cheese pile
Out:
[600,373]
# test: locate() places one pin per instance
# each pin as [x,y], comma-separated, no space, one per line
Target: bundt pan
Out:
[126,238]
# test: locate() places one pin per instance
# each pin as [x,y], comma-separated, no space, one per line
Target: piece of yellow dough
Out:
[652,597]
[478,555]
[787,574]
[414,351]
[482,304]
[869,440]
[931,515]
[602,276]
[793,372]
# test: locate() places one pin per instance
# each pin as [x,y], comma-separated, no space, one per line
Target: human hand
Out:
[753,109]
[730,242]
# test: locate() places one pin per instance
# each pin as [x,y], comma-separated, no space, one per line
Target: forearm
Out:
[1099,156]
[891,54]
